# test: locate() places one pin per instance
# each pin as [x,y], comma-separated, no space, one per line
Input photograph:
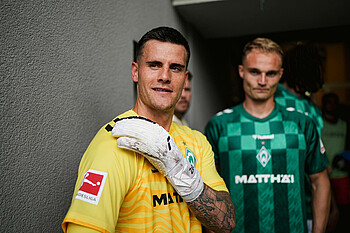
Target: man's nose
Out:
[183,93]
[165,75]
[262,79]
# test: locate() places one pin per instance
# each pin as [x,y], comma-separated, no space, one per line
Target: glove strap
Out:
[186,180]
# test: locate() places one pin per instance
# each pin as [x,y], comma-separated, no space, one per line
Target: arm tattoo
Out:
[215,210]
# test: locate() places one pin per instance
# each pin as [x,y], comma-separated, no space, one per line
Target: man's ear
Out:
[134,72]
[281,72]
[240,70]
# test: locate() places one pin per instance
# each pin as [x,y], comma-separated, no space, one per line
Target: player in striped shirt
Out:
[303,75]
[262,151]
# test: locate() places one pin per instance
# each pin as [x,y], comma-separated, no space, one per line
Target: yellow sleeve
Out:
[74,228]
[106,174]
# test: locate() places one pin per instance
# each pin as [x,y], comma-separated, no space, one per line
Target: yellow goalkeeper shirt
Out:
[118,190]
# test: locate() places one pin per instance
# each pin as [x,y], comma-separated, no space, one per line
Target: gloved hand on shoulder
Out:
[144,136]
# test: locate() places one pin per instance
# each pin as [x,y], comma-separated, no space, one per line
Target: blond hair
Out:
[262,44]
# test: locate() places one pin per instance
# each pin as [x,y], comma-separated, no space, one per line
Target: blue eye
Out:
[176,68]
[254,72]
[154,64]
[271,74]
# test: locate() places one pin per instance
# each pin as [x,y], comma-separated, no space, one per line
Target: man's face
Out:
[261,73]
[160,73]
[184,102]
[331,106]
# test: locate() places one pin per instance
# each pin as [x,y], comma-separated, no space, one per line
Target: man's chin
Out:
[180,111]
[182,106]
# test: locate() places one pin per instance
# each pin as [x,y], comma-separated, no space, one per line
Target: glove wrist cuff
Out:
[196,191]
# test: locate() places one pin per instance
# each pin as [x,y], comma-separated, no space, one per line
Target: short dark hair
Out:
[163,34]
[303,69]
[189,77]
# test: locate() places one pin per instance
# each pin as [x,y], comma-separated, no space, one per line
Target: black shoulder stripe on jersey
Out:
[134,117]
[108,127]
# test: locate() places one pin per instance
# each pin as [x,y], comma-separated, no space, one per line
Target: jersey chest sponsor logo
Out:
[265,178]
[92,186]
[166,199]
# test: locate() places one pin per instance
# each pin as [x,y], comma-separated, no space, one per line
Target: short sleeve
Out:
[316,160]
[102,184]
[212,135]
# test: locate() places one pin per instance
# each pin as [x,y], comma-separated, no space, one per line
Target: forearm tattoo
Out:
[215,210]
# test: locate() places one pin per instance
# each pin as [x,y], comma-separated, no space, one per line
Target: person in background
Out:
[141,172]
[184,102]
[303,75]
[335,137]
[263,151]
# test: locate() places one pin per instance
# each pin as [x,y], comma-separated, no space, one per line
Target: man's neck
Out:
[259,109]
[330,118]
[162,118]
[290,89]
[179,115]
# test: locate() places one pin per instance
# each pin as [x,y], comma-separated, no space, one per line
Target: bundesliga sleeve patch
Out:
[322,149]
[92,186]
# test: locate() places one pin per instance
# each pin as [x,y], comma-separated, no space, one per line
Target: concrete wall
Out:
[65,71]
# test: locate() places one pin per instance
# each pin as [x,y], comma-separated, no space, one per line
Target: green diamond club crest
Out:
[190,157]
[263,156]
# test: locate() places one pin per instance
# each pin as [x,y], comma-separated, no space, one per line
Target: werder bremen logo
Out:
[263,156]
[190,157]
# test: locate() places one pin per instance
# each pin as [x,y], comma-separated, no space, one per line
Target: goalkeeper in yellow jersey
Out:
[144,173]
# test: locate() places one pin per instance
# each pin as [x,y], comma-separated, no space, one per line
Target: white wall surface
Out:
[65,72]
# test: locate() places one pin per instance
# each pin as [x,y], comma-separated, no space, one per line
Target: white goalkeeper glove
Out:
[155,143]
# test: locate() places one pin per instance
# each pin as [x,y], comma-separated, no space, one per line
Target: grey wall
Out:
[203,94]
[65,71]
